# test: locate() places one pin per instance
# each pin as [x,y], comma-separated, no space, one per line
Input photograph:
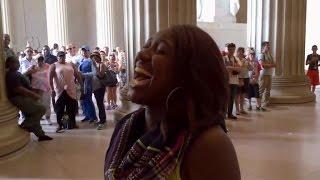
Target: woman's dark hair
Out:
[264,43]
[95,54]
[240,49]
[203,76]
[231,45]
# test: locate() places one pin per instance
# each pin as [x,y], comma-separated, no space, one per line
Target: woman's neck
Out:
[153,116]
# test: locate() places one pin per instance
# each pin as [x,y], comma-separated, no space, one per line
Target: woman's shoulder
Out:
[211,155]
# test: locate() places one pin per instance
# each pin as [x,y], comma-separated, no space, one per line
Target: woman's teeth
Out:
[143,71]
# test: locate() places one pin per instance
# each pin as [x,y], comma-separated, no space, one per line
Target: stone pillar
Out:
[219,11]
[57,22]
[12,138]
[283,23]
[143,18]
[6,17]
[110,25]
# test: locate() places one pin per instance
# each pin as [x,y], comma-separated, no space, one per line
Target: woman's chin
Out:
[137,97]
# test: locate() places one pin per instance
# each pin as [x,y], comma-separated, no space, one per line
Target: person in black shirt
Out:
[48,57]
[313,70]
[20,94]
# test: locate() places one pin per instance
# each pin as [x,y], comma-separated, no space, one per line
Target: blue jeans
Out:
[88,106]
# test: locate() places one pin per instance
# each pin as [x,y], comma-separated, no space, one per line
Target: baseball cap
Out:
[87,48]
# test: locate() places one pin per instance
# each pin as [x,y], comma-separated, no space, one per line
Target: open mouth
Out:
[142,77]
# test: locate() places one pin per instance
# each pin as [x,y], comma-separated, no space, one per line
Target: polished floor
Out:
[282,144]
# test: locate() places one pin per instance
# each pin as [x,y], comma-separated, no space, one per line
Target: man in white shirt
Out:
[267,62]
[28,64]
[233,69]
[72,56]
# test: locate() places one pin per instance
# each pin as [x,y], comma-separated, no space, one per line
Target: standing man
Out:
[313,71]
[72,56]
[268,64]
[62,79]
[233,68]
[48,57]
[28,64]
[8,52]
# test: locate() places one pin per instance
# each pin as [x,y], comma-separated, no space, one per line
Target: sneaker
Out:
[258,108]
[237,113]
[101,126]
[44,138]
[232,117]
[60,130]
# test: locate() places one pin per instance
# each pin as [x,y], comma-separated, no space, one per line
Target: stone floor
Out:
[282,144]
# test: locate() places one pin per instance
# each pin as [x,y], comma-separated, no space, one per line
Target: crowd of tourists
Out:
[250,76]
[66,79]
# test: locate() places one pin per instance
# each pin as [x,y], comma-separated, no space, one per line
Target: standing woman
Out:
[254,74]
[62,79]
[40,82]
[87,70]
[98,89]
[180,132]
[112,90]
[243,80]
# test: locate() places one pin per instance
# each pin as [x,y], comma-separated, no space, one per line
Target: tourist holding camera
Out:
[234,67]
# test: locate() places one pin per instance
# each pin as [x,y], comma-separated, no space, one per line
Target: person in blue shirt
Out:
[86,69]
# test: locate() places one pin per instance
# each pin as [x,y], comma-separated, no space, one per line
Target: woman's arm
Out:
[211,156]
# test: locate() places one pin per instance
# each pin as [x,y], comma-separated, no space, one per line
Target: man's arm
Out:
[51,75]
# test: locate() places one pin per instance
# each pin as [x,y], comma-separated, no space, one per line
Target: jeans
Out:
[233,94]
[65,102]
[99,95]
[33,111]
[88,106]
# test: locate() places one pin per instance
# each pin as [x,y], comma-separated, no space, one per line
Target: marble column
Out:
[57,22]
[12,138]
[283,24]
[110,25]
[6,18]
[143,18]
[219,11]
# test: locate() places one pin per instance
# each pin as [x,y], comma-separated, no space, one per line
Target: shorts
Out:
[245,88]
[253,91]
[314,77]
